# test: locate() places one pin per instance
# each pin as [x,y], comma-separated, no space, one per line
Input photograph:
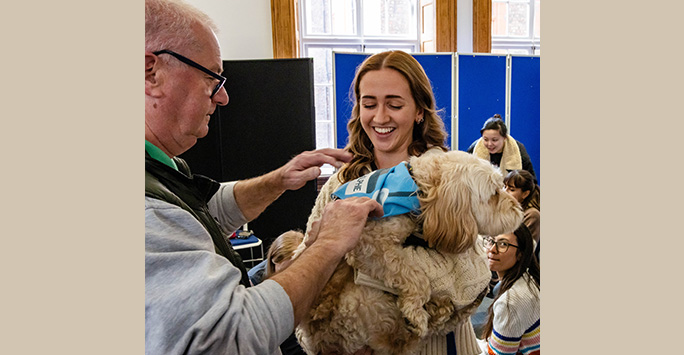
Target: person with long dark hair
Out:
[520,184]
[513,321]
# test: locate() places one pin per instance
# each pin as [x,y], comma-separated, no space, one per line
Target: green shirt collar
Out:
[159,155]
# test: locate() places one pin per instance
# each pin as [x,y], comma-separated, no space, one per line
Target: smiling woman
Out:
[394,114]
[393,118]
[500,148]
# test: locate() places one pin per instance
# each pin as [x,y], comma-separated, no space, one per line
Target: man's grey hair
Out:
[169,25]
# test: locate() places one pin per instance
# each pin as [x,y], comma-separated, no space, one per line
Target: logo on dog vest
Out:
[393,188]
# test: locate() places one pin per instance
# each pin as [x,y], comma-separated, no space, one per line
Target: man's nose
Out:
[221,98]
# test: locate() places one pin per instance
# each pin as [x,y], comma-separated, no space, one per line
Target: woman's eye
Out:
[368,106]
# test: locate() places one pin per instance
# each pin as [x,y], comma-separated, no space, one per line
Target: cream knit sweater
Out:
[461,278]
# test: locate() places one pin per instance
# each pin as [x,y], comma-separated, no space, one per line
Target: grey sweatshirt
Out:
[194,302]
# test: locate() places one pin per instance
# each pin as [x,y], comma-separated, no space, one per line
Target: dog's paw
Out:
[416,321]
[440,310]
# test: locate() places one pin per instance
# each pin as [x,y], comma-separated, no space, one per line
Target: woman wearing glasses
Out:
[512,325]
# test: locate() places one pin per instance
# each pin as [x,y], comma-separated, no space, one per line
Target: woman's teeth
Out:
[383,130]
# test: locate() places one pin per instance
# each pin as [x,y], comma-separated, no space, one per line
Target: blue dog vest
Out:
[393,188]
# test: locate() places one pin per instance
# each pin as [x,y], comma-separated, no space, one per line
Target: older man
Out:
[196,294]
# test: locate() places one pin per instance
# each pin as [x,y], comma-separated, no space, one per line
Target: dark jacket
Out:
[191,193]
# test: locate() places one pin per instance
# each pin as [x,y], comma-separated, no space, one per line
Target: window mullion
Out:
[359,24]
[531,26]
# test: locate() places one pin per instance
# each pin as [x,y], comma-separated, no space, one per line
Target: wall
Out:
[244,27]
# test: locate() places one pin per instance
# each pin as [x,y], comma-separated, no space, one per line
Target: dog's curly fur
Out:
[461,196]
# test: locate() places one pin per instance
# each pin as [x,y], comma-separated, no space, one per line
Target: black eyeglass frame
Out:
[192,63]
[494,242]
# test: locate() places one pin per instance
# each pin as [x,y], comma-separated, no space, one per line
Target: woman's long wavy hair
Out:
[527,263]
[524,180]
[427,134]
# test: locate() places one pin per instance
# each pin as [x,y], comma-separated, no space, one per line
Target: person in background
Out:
[393,118]
[520,184]
[197,298]
[280,252]
[501,149]
[513,320]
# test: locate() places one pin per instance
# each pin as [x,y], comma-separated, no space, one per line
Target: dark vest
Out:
[191,193]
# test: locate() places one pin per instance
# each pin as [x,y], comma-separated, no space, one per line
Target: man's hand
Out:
[338,232]
[306,166]
[343,221]
[254,195]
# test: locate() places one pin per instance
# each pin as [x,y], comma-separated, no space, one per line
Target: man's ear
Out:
[153,76]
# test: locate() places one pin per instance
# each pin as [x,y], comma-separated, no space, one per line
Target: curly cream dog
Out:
[433,289]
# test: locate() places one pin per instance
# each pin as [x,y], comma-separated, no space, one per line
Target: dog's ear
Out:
[502,214]
[448,222]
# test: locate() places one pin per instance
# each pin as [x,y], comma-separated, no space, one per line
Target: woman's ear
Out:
[420,116]
[525,194]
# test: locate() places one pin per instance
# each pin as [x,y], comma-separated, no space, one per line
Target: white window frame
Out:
[355,43]
[518,45]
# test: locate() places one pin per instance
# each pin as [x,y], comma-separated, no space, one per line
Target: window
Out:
[368,26]
[515,26]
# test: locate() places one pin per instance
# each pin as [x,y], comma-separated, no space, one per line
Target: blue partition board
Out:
[345,65]
[481,81]
[438,68]
[525,111]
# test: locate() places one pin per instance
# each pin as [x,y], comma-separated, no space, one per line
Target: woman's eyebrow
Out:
[386,97]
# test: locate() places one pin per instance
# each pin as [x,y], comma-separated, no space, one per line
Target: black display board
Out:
[269,119]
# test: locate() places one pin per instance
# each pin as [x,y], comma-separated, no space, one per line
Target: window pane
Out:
[429,47]
[378,49]
[324,135]
[537,22]
[323,97]
[518,19]
[429,19]
[322,64]
[344,17]
[330,17]
[519,51]
[499,18]
[317,16]
[389,17]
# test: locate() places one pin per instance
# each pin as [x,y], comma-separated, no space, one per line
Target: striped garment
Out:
[516,321]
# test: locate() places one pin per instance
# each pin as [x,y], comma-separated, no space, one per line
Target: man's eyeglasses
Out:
[501,246]
[221,79]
